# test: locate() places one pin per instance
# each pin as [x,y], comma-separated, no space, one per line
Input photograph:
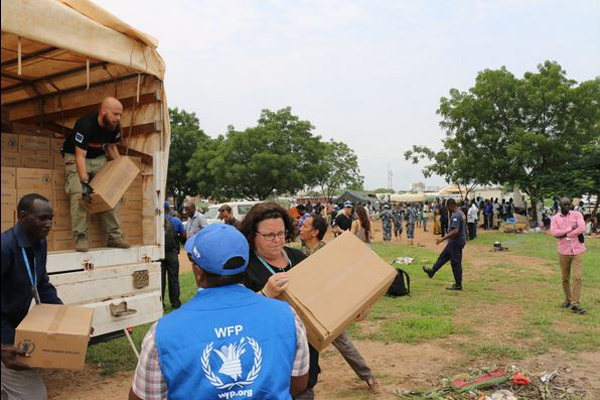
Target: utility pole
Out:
[390,175]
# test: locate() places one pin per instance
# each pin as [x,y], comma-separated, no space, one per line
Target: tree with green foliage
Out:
[337,168]
[186,138]
[280,155]
[517,132]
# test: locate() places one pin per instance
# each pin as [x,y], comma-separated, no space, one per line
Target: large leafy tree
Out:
[516,132]
[186,138]
[337,168]
[280,155]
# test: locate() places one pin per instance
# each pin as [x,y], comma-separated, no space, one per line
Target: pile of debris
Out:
[499,383]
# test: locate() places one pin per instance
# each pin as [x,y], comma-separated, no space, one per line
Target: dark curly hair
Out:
[262,211]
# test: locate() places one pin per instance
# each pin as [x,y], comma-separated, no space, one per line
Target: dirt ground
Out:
[399,366]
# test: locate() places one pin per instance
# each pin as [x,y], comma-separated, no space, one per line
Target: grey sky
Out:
[369,73]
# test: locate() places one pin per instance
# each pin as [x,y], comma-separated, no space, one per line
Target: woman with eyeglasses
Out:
[268,227]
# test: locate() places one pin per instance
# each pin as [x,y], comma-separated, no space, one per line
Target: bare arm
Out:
[297,385]
[80,164]
[113,151]
[132,395]
[354,227]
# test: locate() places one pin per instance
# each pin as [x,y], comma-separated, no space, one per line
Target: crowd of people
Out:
[233,325]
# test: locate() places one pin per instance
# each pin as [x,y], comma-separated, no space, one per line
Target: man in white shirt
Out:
[472,219]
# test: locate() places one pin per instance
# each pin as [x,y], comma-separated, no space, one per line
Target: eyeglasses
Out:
[221,210]
[269,237]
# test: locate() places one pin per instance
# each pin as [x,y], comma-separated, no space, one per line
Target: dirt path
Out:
[398,366]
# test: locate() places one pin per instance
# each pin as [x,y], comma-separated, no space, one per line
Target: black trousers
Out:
[444,224]
[170,269]
[453,253]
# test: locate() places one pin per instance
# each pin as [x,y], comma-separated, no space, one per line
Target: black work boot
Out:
[578,310]
[566,304]
[454,287]
[430,273]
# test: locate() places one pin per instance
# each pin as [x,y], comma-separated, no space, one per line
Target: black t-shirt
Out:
[343,222]
[89,135]
[257,276]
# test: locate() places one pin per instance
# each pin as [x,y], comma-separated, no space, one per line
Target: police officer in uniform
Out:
[398,215]
[411,219]
[386,223]
[226,341]
[84,151]
[456,238]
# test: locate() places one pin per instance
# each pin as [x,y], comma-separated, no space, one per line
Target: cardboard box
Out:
[9,178]
[60,194]
[10,143]
[58,161]
[62,221]
[110,183]
[58,179]
[36,159]
[63,245]
[9,198]
[4,226]
[34,178]
[47,193]
[10,159]
[329,289]
[56,145]
[55,336]
[8,215]
[34,143]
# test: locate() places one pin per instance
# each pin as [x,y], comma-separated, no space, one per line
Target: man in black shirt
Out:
[84,151]
[457,238]
[343,222]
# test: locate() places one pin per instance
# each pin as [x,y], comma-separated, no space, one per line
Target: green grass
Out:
[508,310]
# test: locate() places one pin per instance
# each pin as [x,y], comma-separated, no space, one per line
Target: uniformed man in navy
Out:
[456,238]
[84,151]
[226,341]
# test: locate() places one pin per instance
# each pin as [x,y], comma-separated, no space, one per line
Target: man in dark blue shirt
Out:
[24,278]
[453,251]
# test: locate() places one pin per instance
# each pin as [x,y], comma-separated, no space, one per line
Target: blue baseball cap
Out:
[216,244]
[347,203]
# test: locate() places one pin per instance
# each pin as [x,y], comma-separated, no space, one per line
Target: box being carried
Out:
[110,183]
[55,336]
[331,287]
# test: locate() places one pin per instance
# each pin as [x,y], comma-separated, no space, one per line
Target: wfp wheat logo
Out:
[228,373]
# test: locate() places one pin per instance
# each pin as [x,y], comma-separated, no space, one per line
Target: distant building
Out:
[418,187]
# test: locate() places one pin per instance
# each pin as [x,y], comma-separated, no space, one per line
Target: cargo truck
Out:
[59,60]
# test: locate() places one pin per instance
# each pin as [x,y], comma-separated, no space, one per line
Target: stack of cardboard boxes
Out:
[32,162]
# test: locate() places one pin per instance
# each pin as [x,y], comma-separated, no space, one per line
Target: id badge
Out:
[36,295]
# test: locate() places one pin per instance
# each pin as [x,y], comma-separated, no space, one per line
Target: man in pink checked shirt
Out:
[567,226]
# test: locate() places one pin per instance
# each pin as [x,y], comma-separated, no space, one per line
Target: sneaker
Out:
[374,385]
[118,243]
[454,287]
[430,273]
[81,244]
[566,304]
[578,310]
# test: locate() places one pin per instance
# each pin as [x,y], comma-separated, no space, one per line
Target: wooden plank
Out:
[77,112]
[101,283]
[73,261]
[77,97]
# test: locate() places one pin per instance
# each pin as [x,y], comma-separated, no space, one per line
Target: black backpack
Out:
[171,242]
[401,284]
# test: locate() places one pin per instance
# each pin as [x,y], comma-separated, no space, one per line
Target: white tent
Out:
[408,198]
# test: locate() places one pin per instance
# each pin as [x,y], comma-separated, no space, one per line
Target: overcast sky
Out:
[368,73]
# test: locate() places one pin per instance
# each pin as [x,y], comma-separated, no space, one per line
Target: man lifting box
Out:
[84,152]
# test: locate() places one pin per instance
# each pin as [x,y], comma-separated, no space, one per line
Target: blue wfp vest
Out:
[228,343]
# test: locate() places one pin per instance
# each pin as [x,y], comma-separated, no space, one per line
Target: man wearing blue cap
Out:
[226,341]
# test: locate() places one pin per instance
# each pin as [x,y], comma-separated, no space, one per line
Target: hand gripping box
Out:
[111,183]
[55,336]
[333,286]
